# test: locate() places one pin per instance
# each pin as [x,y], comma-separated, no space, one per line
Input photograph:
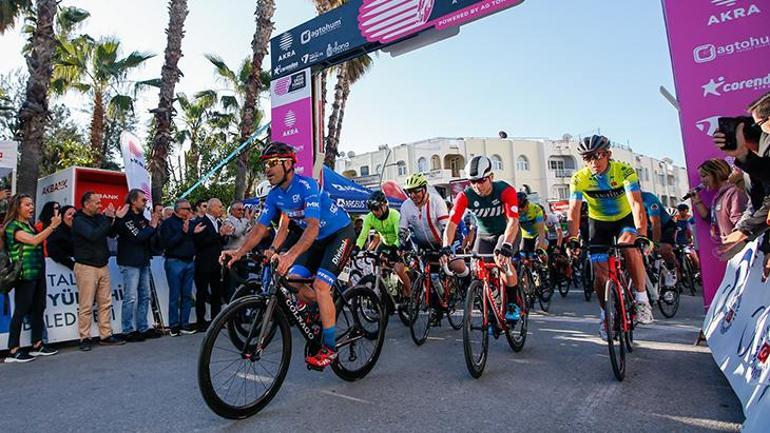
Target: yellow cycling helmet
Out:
[416,180]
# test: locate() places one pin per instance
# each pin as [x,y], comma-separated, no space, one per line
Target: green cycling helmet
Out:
[416,180]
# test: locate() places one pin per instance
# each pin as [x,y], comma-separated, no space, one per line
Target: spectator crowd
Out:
[190,239]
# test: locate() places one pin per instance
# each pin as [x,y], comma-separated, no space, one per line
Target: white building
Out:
[540,165]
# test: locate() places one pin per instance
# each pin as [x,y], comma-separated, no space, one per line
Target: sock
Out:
[641,297]
[328,338]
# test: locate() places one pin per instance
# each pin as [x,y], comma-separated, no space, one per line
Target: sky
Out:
[540,69]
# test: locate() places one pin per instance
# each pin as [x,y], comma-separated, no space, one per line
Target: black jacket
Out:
[60,247]
[134,236]
[756,166]
[208,245]
[89,237]
[177,244]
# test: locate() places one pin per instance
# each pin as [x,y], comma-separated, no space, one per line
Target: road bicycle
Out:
[384,281]
[689,271]
[246,351]
[485,306]
[537,281]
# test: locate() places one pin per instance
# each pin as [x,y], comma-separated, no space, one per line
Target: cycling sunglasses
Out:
[415,190]
[594,156]
[270,163]
[479,181]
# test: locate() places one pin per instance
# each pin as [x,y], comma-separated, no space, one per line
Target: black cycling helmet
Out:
[681,206]
[522,198]
[376,200]
[593,144]
[277,149]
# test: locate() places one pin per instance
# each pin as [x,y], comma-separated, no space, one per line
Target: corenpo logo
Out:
[709,52]
[720,86]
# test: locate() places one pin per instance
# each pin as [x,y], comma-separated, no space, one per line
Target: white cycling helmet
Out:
[263,189]
[479,167]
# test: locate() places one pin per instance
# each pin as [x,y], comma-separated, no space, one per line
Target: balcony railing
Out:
[563,172]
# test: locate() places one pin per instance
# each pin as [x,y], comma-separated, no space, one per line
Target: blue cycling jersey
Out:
[655,208]
[302,200]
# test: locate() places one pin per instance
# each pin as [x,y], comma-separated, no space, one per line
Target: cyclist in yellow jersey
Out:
[532,222]
[615,208]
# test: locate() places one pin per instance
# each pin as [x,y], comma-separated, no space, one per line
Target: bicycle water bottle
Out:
[436,281]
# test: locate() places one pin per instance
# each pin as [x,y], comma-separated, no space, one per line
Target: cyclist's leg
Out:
[391,253]
[335,255]
[666,248]
[600,233]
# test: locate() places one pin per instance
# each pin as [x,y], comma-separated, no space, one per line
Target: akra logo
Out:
[732,14]
[287,55]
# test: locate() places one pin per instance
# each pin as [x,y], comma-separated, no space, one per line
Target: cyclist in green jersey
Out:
[615,208]
[385,222]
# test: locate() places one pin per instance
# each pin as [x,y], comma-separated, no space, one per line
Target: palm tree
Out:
[177,11]
[356,69]
[94,68]
[264,28]
[34,111]
[238,82]
[195,114]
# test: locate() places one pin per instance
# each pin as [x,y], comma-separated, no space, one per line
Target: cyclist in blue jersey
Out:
[327,239]
[661,226]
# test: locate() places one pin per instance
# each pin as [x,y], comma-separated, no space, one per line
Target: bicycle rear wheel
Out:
[545,292]
[237,383]
[517,334]
[613,320]
[360,333]
[455,302]
[668,301]
[688,274]
[419,316]
[475,334]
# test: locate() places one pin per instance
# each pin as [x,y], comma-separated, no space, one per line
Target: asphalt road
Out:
[560,382]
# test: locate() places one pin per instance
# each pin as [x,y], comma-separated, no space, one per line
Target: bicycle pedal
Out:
[314,368]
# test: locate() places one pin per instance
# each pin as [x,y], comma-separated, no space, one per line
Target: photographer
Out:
[751,150]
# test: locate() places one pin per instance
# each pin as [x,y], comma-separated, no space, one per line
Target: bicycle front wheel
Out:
[475,334]
[360,333]
[615,336]
[419,316]
[238,382]
[545,293]
[668,301]
[455,302]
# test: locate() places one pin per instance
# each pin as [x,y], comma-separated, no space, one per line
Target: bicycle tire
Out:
[690,275]
[455,320]
[668,302]
[419,317]
[545,293]
[527,287]
[517,335]
[353,316]
[563,287]
[205,380]
[588,283]
[474,309]
[612,317]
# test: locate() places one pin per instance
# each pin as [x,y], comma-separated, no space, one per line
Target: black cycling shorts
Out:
[605,232]
[487,244]
[326,257]
[528,245]
[667,233]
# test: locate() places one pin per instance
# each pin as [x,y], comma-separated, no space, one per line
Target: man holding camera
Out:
[750,147]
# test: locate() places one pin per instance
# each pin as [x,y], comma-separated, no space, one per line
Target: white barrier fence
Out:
[737,327]
[61,313]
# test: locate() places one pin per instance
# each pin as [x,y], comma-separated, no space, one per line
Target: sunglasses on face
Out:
[479,181]
[270,163]
[185,208]
[594,156]
[762,122]
[414,191]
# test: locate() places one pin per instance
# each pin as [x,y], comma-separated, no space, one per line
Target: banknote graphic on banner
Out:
[720,52]
[368,25]
[292,116]
[135,164]
[737,327]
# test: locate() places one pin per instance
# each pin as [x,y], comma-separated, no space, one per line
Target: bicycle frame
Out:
[615,273]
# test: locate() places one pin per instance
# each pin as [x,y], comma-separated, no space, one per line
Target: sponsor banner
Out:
[737,327]
[292,116]
[720,53]
[559,206]
[8,159]
[135,164]
[369,25]
[61,313]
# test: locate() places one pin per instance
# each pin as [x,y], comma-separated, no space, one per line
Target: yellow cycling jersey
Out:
[605,193]
[529,219]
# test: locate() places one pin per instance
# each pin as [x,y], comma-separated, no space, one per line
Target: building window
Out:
[497,163]
[435,162]
[422,165]
[661,178]
[378,170]
[401,168]
[522,163]
[561,192]
[364,170]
